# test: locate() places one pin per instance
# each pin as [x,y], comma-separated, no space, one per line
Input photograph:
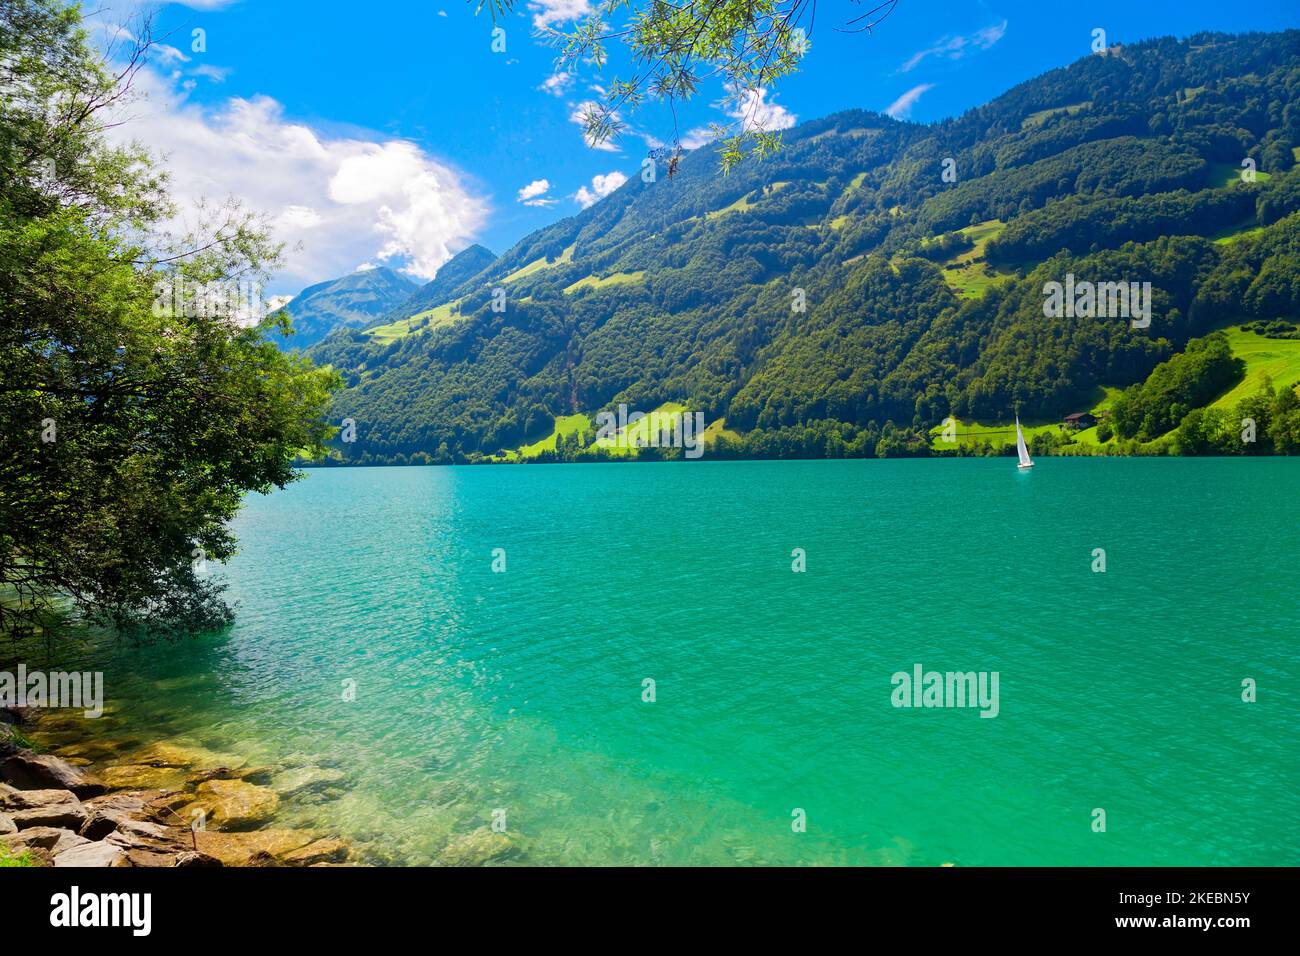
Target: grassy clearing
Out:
[740,205]
[747,201]
[1042,116]
[537,264]
[596,282]
[1236,233]
[1275,359]
[565,425]
[839,222]
[857,132]
[968,274]
[624,441]
[621,444]
[384,334]
[719,429]
[1228,174]
[1002,434]
[998,435]
[1102,398]
[445,314]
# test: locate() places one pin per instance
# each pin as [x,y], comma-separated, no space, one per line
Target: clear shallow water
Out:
[522,691]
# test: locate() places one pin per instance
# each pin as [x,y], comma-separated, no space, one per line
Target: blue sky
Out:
[391,132]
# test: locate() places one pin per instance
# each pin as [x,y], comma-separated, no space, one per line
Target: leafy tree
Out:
[1284,427]
[749,44]
[131,430]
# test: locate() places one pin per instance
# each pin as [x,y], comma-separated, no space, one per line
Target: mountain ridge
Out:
[453,273]
[348,301]
[681,289]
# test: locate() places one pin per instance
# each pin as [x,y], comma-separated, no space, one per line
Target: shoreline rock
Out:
[27,770]
[137,811]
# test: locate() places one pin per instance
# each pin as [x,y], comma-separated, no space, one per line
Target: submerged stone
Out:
[135,776]
[477,848]
[307,779]
[317,852]
[233,804]
[166,753]
[239,849]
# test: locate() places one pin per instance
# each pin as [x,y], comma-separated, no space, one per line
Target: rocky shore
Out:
[92,803]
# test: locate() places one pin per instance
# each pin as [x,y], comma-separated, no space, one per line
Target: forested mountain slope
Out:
[923,294]
[355,300]
[454,273]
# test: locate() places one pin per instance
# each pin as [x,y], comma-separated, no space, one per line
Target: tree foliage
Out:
[748,45]
[1186,381]
[130,432]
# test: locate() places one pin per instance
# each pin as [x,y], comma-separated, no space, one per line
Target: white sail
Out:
[1021,450]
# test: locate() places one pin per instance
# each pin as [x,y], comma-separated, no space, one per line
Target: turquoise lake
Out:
[522,691]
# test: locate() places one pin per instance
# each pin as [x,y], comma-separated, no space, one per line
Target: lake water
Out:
[522,691]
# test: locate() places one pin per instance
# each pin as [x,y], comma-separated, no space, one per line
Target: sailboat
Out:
[1021,450]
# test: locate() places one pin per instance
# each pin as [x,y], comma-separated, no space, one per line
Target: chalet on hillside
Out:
[1080,420]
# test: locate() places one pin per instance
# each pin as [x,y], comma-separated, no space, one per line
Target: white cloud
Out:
[165,53]
[374,172]
[956,47]
[697,137]
[578,116]
[534,194]
[217,74]
[749,110]
[333,200]
[552,13]
[557,83]
[535,188]
[901,108]
[601,186]
[297,219]
[753,111]
[990,35]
